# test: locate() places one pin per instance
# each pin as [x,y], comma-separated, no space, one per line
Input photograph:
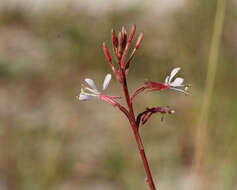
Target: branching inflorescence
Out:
[121,44]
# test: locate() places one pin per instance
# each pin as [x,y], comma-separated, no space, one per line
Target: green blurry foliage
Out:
[50,141]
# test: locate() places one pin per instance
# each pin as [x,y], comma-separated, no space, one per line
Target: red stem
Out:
[121,77]
[137,91]
[136,132]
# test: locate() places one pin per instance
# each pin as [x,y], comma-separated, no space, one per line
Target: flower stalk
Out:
[121,45]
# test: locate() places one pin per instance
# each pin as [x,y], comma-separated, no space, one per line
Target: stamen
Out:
[89,94]
[180,90]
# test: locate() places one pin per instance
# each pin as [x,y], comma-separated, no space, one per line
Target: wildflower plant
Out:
[121,44]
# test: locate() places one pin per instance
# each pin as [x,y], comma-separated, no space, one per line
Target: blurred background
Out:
[49,140]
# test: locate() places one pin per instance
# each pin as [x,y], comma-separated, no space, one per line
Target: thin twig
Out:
[137,91]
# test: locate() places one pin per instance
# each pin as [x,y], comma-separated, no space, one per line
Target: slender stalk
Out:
[136,132]
[137,91]
[120,53]
[149,179]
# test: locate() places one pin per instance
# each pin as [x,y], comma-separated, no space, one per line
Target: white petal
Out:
[84,97]
[177,82]
[106,81]
[167,79]
[91,83]
[173,73]
[91,90]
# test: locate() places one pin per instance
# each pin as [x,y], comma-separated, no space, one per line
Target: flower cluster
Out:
[121,44]
[120,49]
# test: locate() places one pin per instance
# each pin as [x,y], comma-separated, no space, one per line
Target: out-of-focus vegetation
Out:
[49,140]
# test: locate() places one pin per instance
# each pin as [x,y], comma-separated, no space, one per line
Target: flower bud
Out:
[124,36]
[114,39]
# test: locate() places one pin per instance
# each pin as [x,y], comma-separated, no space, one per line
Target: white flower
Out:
[178,82]
[92,92]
